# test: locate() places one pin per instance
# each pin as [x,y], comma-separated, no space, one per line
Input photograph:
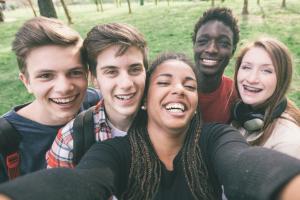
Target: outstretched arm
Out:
[97,176]
[247,172]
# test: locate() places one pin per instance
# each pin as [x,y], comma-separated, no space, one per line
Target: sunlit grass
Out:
[167,28]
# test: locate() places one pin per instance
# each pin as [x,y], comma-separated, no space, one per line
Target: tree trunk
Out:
[245,8]
[66,11]
[156,2]
[46,8]
[283,4]
[32,8]
[212,3]
[222,1]
[141,2]
[101,5]
[97,5]
[1,16]
[258,2]
[129,6]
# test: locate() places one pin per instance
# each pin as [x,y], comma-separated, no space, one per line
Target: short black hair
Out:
[223,15]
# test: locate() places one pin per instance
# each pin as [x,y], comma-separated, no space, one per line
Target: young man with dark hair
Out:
[51,68]
[117,57]
[215,38]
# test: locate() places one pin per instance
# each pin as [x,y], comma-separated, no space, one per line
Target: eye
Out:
[163,83]
[77,73]
[245,67]
[45,76]
[111,72]
[202,41]
[190,87]
[224,43]
[267,71]
[136,70]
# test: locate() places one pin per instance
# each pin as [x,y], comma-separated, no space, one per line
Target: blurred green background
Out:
[168,26]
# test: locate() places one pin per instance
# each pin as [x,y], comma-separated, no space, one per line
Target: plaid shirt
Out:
[61,152]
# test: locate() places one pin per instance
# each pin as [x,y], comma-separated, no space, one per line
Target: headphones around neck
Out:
[253,120]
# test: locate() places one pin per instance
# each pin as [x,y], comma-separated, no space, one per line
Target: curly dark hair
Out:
[223,15]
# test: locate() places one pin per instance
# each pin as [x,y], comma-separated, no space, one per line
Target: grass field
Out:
[167,28]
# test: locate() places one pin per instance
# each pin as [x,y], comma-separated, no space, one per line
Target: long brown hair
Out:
[145,171]
[282,62]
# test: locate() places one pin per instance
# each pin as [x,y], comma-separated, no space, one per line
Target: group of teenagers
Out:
[177,129]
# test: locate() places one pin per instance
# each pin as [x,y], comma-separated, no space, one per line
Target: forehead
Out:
[215,28]
[175,68]
[108,57]
[257,54]
[54,57]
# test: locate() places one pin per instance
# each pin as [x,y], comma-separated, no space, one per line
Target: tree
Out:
[129,6]
[212,3]
[141,2]
[283,4]
[222,1]
[97,2]
[46,8]
[32,8]
[66,11]
[2,7]
[245,8]
[258,2]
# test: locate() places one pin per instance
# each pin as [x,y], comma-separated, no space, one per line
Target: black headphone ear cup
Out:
[247,118]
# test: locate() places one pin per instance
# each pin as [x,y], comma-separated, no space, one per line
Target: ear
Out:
[25,81]
[94,81]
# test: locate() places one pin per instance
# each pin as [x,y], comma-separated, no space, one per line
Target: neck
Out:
[121,122]
[208,84]
[167,144]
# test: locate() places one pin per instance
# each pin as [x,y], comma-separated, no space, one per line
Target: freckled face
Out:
[256,78]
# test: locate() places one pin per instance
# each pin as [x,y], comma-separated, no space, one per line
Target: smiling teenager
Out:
[264,115]
[51,68]
[167,154]
[117,57]
[215,38]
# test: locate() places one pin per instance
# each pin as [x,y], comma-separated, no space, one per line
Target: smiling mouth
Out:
[125,97]
[63,101]
[175,107]
[209,62]
[251,89]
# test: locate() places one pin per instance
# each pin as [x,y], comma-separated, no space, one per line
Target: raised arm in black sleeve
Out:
[247,173]
[98,175]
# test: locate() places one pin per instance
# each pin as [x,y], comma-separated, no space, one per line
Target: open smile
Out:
[65,100]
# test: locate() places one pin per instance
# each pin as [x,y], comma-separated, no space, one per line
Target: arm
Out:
[246,173]
[98,175]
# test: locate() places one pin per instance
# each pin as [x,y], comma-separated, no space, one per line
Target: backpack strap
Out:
[9,148]
[83,134]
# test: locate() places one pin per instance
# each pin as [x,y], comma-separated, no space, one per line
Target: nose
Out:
[212,47]
[252,76]
[125,81]
[178,89]
[63,85]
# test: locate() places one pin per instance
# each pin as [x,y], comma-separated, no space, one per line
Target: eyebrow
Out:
[170,76]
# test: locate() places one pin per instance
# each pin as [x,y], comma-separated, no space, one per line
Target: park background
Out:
[167,26]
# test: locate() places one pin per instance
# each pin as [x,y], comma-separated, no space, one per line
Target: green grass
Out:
[167,28]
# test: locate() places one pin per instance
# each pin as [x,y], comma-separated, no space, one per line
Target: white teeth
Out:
[124,97]
[63,100]
[252,89]
[210,62]
[175,107]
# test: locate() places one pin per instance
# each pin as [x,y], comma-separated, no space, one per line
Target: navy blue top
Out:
[37,138]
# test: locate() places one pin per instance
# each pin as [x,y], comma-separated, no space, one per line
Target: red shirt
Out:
[216,106]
